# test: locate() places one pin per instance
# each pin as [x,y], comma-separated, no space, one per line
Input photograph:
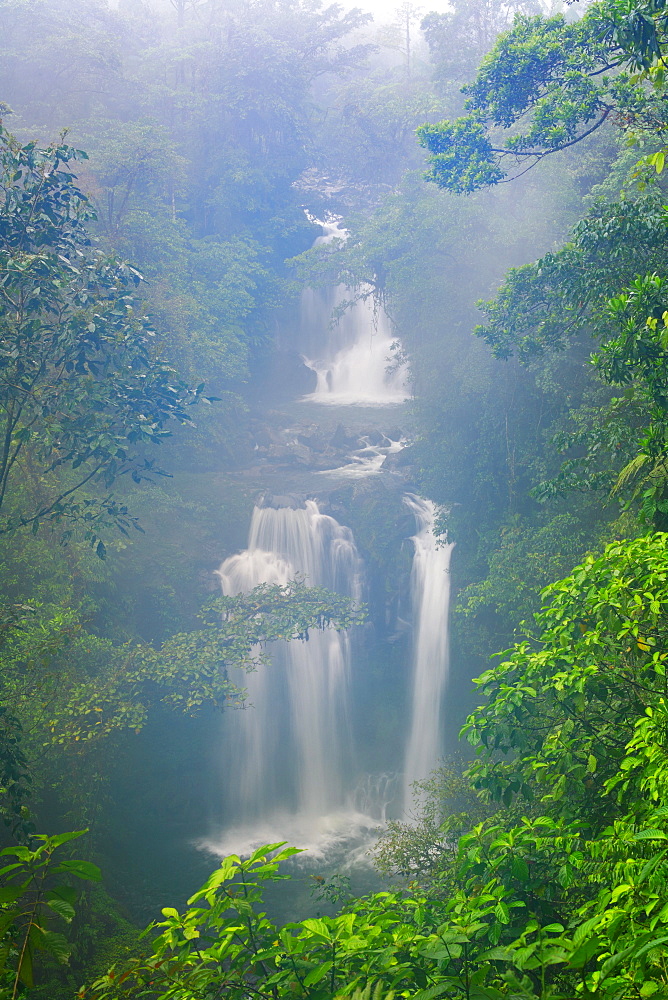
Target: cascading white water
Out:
[430,598]
[290,749]
[291,774]
[368,460]
[351,354]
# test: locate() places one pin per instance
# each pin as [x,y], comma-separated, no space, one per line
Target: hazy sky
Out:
[384,11]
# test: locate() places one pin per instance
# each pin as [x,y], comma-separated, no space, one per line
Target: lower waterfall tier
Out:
[293,767]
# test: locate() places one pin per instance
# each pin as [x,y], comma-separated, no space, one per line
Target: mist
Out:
[249,585]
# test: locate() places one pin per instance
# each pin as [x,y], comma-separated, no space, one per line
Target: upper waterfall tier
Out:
[349,343]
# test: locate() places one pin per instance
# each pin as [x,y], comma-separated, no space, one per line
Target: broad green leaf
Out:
[52,942]
[82,869]
[64,838]
[317,926]
[317,974]
[62,908]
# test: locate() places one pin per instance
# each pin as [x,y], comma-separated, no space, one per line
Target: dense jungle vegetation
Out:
[156,163]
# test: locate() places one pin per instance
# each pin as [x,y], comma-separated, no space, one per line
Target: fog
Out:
[257,164]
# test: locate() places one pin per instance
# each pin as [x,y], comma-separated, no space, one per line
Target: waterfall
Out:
[290,749]
[290,770]
[351,353]
[430,599]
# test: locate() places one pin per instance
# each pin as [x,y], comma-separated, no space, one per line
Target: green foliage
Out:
[550,84]
[35,888]
[80,386]
[528,558]
[15,779]
[575,731]
[543,306]
[422,851]
[194,666]
[563,706]
[479,944]
[333,889]
[592,685]
[73,689]
[461,155]
[590,287]
[563,297]
[384,943]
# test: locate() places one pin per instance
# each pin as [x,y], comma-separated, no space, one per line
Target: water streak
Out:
[430,597]
[291,747]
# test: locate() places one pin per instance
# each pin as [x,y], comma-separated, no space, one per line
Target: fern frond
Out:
[630,471]
[376,994]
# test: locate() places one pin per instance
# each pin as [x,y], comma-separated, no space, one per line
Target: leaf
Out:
[64,838]
[82,869]
[262,852]
[24,969]
[66,892]
[7,917]
[584,952]
[62,908]
[9,894]
[317,974]
[52,942]
[650,945]
[317,926]
[9,868]
[486,993]
[432,992]
[520,868]
[288,852]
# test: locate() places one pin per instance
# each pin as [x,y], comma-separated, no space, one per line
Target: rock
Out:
[280,453]
[301,452]
[342,440]
[400,461]
[266,436]
[286,377]
[279,500]
[313,440]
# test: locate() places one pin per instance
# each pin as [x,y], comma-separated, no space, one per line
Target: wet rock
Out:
[279,500]
[266,436]
[326,462]
[281,454]
[301,452]
[313,439]
[400,461]
[342,440]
